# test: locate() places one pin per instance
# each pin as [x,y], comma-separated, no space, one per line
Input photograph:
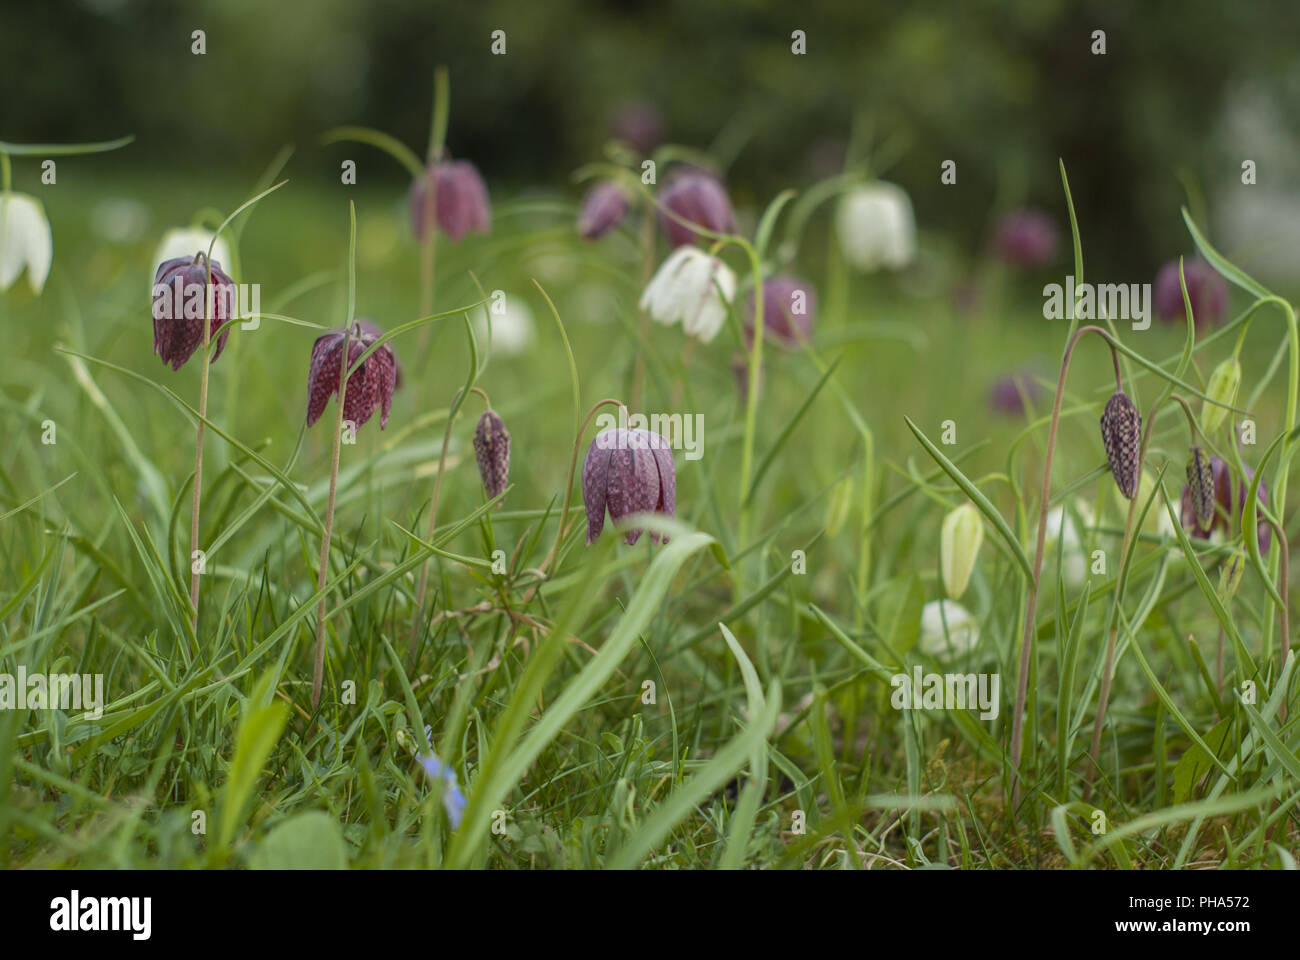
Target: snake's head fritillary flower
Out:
[181,298]
[789,308]
[602,210]
[692,288]
[510,328]
[1200,485]
[696,197]
[947,628]
[1230,576]
[1009,393]
[453,801]
[25,241]
[1121,431]
[1206,291]
[369,388]
[1061,534]
[1026,238]
[375,331]
[460,200]
[639,124]
[627,472]
[876,227]
[1221,393]
[959,544]
[492,451]
[1225,515]
[183,241]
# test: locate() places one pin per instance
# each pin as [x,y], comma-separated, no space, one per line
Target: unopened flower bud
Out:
[959,544]
[1230,576]
[492,450]
[1222,390]
[602,210]
[1200,484]
[1121,431]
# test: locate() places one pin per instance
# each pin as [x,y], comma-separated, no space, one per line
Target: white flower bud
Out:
[959,545]
[876,227]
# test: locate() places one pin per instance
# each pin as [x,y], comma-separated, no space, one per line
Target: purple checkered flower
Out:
[460,200]
[789,307]
[696,197]
[603,209]
[369,388]
[1206,290]
[1026,238]
[180,293]
[627,472]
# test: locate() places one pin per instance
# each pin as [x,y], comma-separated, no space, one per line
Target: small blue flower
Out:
[453,801]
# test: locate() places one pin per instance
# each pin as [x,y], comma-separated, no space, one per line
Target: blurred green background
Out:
[1183,94]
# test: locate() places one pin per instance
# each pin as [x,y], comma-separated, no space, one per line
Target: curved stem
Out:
[452,411]
[568,486]
[1031,601]
[1107,674]
[427,250]
[1284,580]
[195,565]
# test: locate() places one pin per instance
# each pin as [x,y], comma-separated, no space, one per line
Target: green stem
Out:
[198,444]
[452,411]
[568,486]
[318,670]
[1031,600]
[751,393]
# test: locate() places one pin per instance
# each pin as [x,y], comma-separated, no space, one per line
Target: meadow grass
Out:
[770,740]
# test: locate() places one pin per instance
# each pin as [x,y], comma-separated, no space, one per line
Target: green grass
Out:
[770,741]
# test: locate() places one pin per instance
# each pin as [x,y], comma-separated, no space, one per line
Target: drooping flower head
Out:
[1121,431]
[508,324]
[25,241]
[639,124]
[1026,238]
[460,200]
[1222,517]
[692,288]
[1206,291]
[947,628]
[183,241]
[960,538]
[369,388]
[696,197]
[492,451]
[375,331]
[181,298]
[1200,486]
[1008,394]
[876,227]
[627,472]
[602,210]
[789,308]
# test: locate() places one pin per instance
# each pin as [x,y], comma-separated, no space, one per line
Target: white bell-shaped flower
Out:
[513,328]
[961,633]
[25,241]
[693,288]
[876,227]
[187,241]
